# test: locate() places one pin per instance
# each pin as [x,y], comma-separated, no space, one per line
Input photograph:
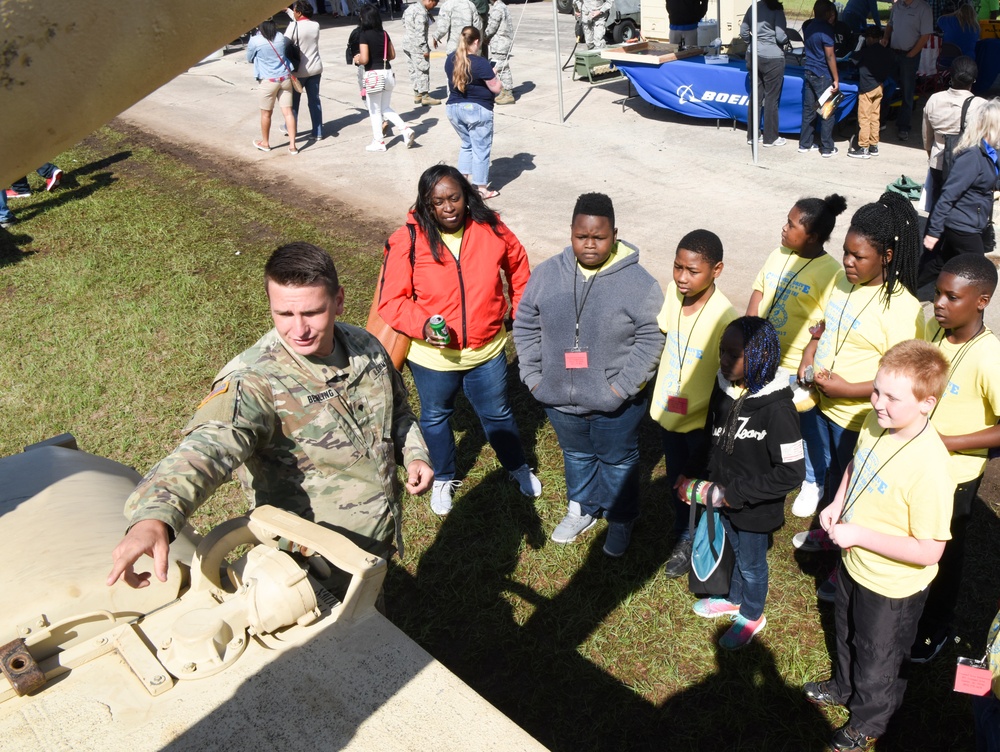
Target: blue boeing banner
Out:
[692,87]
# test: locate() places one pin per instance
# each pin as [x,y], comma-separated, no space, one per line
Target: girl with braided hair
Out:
[871,307]
[756,460]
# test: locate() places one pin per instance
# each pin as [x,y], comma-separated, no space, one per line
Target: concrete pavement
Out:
[667,173]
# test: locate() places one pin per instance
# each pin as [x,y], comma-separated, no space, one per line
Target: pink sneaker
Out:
[713,608]
[741,632]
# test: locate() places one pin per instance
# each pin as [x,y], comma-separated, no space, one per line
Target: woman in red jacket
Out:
[447,261]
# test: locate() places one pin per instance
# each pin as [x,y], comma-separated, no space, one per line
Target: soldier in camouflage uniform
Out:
[313,419]
[500,35]
[454,16]
[593,15]
[418,51]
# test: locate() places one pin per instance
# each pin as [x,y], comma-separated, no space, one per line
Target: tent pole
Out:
[559,86]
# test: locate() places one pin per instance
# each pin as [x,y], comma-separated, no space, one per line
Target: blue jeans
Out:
[748,586]
[6,215]
[838,448]
[906,68]
[816,457]
[311,86]
[601,459]
[677,451]
[812,87]
[45,171]
[474,126]
[485,386]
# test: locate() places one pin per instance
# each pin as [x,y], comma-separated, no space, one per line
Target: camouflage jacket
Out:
[315,440]
[454,16]
[499,29]
[415,23]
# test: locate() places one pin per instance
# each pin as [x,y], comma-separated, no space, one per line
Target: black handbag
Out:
[293,53]
[712,556]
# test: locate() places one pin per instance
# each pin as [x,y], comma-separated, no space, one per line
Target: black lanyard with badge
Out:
[677,401]
[576,357]
[780,291]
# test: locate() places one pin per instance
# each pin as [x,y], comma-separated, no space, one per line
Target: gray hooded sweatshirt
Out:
[617,309]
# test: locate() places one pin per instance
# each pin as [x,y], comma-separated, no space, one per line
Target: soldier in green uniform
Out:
[313,418]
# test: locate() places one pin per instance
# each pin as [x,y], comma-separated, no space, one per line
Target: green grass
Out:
[123,294]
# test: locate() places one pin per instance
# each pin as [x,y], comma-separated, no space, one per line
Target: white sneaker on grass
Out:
[441,496]
[575,523]
[528,481]
[808,500]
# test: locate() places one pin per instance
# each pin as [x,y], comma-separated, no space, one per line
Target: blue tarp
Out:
[692,87]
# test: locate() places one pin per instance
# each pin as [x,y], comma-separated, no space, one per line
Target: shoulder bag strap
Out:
[413,255]
[965,112]
[282,59]
[385,52]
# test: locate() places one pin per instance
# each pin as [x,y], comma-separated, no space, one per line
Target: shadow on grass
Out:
[70,190]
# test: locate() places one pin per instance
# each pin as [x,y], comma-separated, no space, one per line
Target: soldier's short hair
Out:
[301,264]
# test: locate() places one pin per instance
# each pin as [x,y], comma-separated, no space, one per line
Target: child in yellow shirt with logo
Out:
[694,315]
[891,519]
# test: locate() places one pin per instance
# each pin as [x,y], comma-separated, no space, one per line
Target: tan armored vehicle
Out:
[246,652]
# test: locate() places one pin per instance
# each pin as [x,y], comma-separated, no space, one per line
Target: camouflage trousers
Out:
[500,61]
[420,71]
[594,31]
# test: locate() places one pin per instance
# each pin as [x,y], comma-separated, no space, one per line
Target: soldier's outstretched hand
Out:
[145,537]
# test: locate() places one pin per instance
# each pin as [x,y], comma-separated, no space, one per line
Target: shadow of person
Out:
[505,170]
[12,243]
[744,705]
[525,87]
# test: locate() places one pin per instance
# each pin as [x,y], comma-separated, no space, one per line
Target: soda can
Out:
[440,327]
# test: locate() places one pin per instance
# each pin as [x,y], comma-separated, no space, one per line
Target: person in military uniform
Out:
[593,15]
[500,35]
[313,419]
[454,16]
[418,51]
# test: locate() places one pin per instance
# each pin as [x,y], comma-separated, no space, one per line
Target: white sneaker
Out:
[441,496]
[573,524]
[528,481]
[808,499]
[408,136]
[376,146]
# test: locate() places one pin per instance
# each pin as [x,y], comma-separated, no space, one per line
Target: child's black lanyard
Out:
[851,497]
[579,308]
[840,345]
[682,353]
[959,355]
[778,293]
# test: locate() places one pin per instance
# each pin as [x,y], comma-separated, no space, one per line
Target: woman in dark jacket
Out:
[771,40]
[965,206]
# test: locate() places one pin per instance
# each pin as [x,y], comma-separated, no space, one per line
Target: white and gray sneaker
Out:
[441,496]
[805,504]
[528,481]
[573,524]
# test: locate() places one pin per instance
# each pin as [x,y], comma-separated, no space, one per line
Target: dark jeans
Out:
[838,448]
[311,86]
[986,713]
[770,79]
[942,595]
[906,76]
[812,87]
[874,635]
[748,586]
[949,245]
[6,215]
[486,388]
[601,459]
[677,451]
[45,171]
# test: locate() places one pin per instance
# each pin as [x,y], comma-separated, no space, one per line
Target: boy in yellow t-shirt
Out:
[694,315]
[891,519]
[966,418]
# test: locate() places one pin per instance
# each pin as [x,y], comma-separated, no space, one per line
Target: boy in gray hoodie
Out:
[588,342]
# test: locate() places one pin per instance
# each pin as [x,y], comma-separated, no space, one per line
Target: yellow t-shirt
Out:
[697,337]
[897,488]
[971,401]
[794,290]
[446,359]
[859,331]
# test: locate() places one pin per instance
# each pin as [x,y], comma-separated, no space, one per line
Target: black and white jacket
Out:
[767,461]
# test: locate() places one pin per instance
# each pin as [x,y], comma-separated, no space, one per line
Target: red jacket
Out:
[469,293]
